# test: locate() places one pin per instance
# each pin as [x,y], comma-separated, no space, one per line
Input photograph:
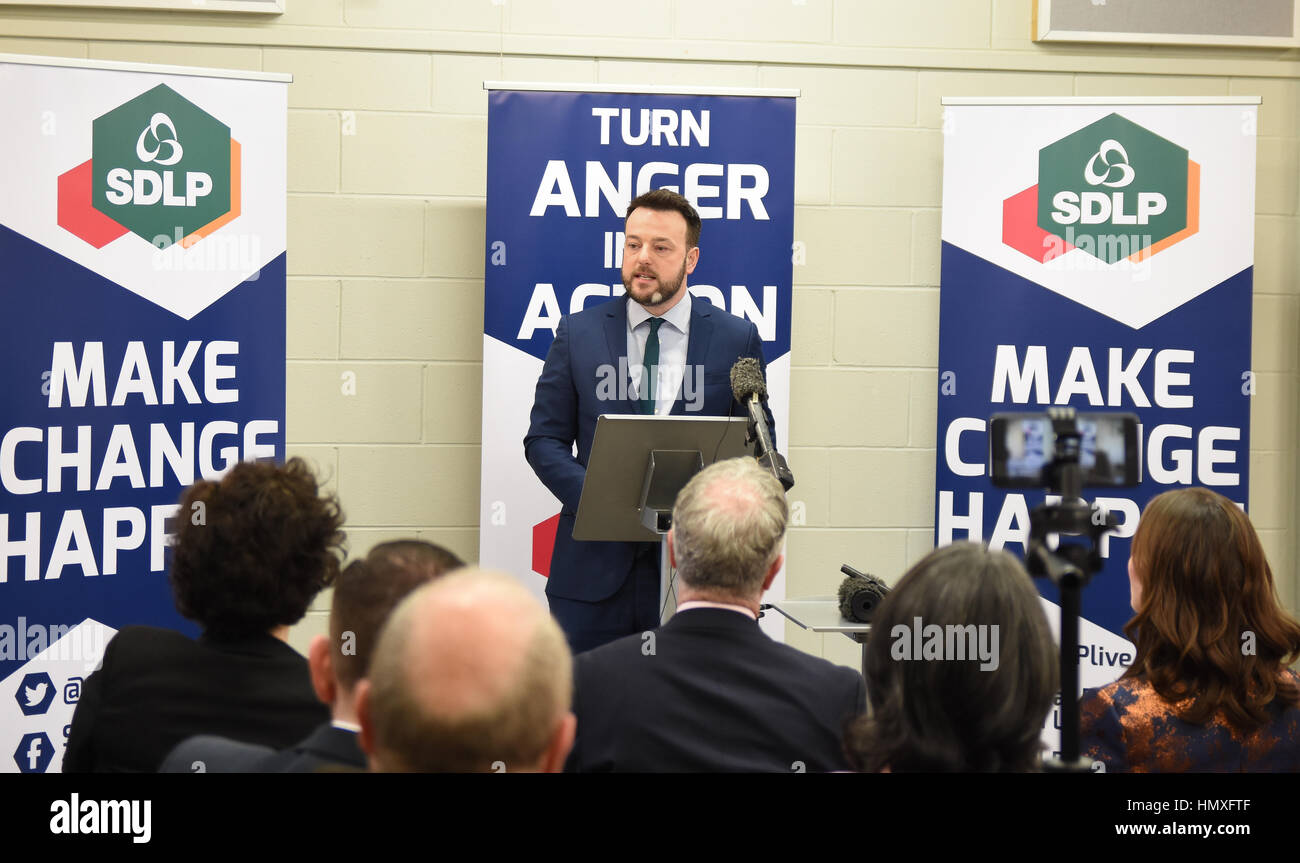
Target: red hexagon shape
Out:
[77,216]
[544,544]
[1020,229]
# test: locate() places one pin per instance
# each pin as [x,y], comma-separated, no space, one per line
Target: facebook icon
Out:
[34,753]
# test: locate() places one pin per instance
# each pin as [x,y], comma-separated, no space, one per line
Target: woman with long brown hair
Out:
[957,713]
[1209,688]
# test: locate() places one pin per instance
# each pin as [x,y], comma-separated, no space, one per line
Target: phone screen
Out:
[1022,445]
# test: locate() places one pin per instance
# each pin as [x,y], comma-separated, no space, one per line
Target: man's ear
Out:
[672,553]
[366,736]
[557,751]
[321,664]
[773,570]
[692,258]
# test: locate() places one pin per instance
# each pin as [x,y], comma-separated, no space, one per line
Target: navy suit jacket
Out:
[710,693]
[325,748]
[567,404]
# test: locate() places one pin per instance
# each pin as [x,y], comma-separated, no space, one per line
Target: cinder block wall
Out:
[387,152]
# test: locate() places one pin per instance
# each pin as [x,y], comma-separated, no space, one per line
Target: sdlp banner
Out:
[1095,254]
[142,235]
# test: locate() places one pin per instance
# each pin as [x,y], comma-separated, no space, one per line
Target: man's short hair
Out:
[367,591]
[456,707]
[728,524]
[665,200]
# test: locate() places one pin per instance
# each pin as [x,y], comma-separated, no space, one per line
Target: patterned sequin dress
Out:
[1130,728]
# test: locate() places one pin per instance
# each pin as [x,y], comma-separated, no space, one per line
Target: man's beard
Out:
[667,290]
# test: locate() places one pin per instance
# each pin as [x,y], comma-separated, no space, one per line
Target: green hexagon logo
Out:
[161,166]
[1113,189]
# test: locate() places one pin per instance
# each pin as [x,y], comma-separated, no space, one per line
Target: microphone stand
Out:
[768,458]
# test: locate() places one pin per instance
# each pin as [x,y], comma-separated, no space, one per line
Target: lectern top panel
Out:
[611,494]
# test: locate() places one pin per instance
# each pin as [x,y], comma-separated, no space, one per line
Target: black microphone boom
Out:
[749,389]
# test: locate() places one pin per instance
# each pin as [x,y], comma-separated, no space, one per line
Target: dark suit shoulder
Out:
[207,753]
[615,653]
[136,647]
[160,649]
[817,678]
[710,691]
[724,320]
[597,311]
[157,687]
[327,748]
[815,664]
[143,640]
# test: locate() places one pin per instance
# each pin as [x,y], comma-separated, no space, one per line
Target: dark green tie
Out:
[650,367]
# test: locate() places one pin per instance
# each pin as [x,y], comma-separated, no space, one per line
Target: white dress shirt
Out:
[673,336]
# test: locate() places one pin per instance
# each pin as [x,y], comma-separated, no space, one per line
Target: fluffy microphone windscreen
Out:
[747,380]
[859,597]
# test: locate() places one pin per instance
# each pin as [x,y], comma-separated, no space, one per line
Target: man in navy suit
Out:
[656,350]
[710,691]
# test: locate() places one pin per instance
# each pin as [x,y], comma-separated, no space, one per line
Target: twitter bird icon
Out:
[35,693]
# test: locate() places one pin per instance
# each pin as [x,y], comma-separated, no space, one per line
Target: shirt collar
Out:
[700,603]
[679,315]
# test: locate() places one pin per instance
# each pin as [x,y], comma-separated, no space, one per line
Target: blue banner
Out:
[1192,360]
[1099,257]
[100,479]
[142,235]
[562,168]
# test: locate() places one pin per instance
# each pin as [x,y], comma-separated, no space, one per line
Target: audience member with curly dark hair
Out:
[974,701]
[1209,689]
[251,551]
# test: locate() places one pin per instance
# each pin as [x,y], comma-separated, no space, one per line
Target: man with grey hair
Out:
[709,691]
[471,674]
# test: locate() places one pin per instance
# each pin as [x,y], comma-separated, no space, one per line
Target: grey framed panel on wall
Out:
[1241,23]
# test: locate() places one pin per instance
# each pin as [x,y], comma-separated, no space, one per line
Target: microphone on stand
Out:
[859,594]
[749,389]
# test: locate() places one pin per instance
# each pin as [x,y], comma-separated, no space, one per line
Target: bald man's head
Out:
[470,671]
[728,528]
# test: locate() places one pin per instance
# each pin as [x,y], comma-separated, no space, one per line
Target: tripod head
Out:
[1070,516]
